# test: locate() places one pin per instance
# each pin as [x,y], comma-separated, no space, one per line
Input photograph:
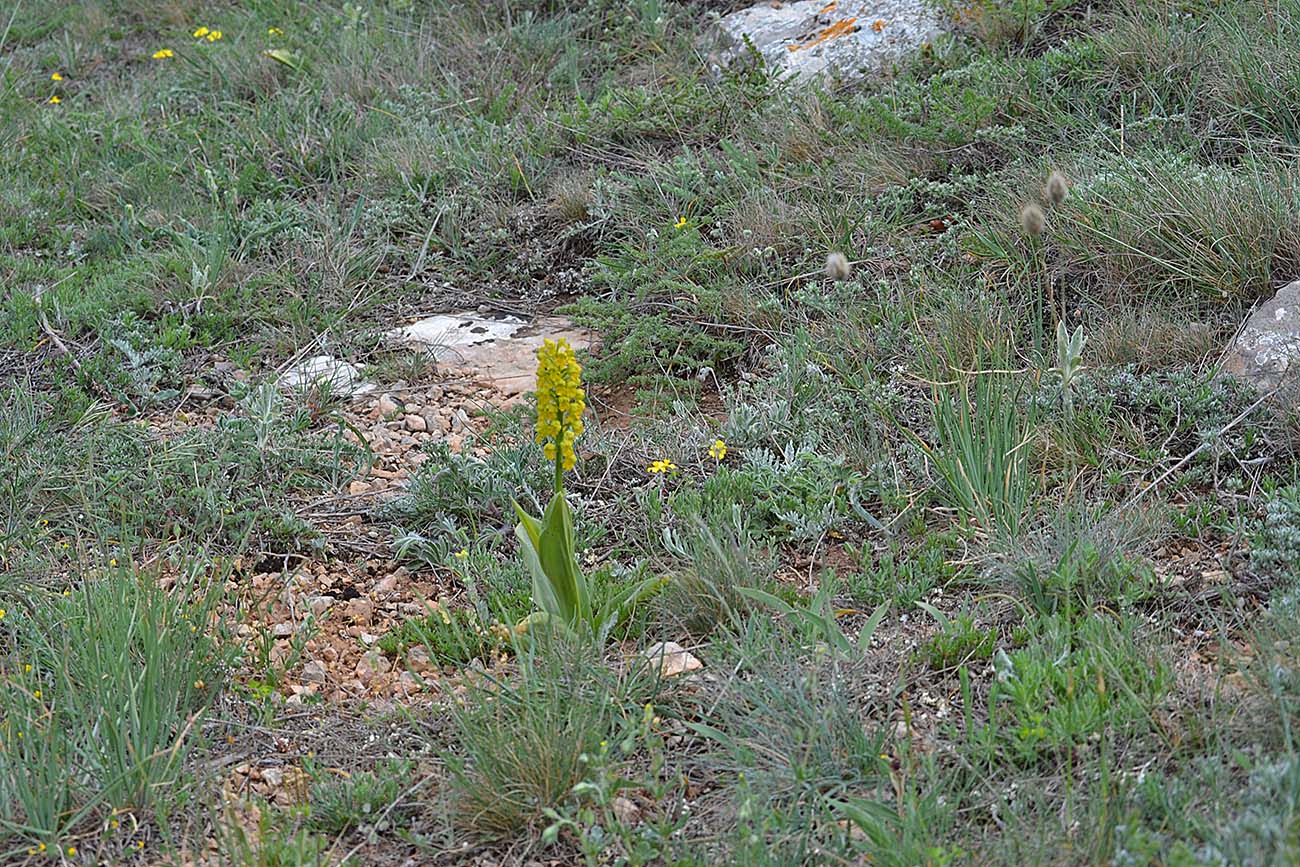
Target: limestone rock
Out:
[849,38]
[673,659]
[339,377]
[503,348]
[1266,354]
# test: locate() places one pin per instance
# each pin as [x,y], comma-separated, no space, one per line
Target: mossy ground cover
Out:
[1084,563]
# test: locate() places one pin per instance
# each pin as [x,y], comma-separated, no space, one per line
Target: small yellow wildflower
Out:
[199,684]
[115,824]
[275,31]
[27,668]
[72,850]
[112,561]
[214,36]
[201,32]
[663,465]
[139,844]
[461,554]
[2,614]
[163,54]
[54,100]
[36,694]
[718,450]
[680,224]
[54,76]
[560,401]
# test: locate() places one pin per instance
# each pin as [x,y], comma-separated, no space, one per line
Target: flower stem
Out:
[559,463]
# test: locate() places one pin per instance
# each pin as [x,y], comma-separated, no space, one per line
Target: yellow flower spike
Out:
[54,76]
[163,54]
[201,32]
[718,450]
[561,402]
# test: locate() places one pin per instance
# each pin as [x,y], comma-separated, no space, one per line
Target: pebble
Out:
[314,672]
[361,610]
[416,424]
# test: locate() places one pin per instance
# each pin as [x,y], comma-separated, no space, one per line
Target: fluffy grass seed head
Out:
[838,267]
[1032,220]
[560,401]
[1057,189]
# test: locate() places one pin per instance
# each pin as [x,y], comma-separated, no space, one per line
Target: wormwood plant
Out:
[559,588]
[1069,363]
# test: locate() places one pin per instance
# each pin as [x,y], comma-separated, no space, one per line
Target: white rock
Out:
[325,371]
[389,406]
[1266,354]
[415,423]
[673,659]
[502,348]
[849,38]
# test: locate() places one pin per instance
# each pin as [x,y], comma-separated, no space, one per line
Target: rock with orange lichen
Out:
[849,39]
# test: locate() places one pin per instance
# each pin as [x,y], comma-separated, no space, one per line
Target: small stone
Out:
[389,406]
[418,661]
[387,585]
[273,777]
[361,610]
[415,423]
[319,604]
[358,487]
[626,811]
[282,630]
[314,672]
[371,664]
[673,659]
